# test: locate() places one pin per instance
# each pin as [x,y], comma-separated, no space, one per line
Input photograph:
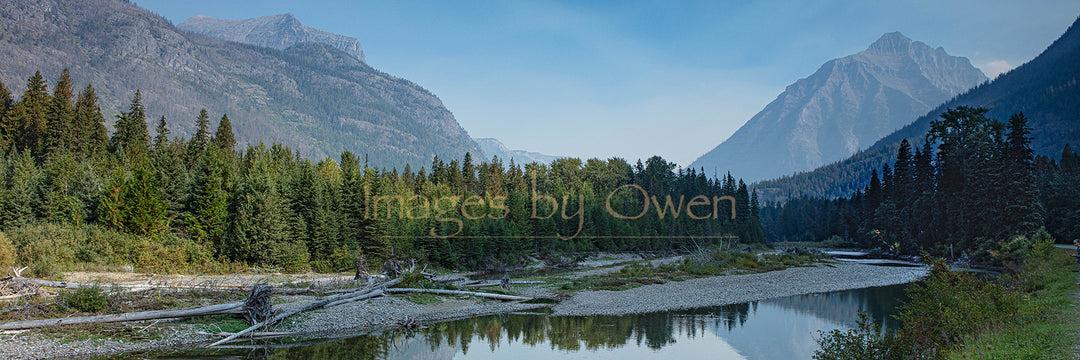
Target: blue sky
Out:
[639,78]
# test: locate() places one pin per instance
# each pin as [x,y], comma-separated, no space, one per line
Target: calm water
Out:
[784,328]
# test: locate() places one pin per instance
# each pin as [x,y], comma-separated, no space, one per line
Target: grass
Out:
[1048,332]
[421,298]
[1028,314]
[102,332]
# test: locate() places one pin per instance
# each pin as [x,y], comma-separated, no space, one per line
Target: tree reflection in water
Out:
[780,328]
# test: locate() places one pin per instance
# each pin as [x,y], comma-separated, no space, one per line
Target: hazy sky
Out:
[638,78]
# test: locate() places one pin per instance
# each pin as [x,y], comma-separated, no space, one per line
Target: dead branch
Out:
[459,292]
[230,308]
[310,306]
[499,283]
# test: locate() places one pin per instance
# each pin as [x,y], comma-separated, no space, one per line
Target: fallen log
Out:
[499,283]
[362,296]
[335,299]
[459,292]
[230,308]
[50,283]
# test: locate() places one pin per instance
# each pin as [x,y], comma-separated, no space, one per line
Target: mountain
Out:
[1046,89]
[313,97]
[842,108]
[275,31]
[494,147]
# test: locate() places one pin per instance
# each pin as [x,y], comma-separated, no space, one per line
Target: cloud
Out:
[994,68]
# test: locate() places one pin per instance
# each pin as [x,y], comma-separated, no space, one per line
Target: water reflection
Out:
[784,328]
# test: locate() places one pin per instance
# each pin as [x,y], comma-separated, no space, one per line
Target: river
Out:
[781,328]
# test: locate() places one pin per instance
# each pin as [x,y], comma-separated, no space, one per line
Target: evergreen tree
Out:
[258,231]
[131,136]
[209,205]
[7,119]
[223,137]
[964,134]
[201,139]
[1063,200]
[1023,210]
[30,115]
[161,137]
[142,210]
[89,124]
[60,118]
[21,176]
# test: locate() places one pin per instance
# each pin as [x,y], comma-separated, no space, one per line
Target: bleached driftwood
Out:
[459,292]
[230,308]
[335,300]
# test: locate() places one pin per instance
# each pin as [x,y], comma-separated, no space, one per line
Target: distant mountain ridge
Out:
[494,147]
[312,97]
[275,31]
[1046,89]
[847,104]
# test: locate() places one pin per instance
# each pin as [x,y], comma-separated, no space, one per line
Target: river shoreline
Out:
[393,312]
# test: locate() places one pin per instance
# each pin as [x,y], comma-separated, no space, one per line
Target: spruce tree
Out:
[31,116]
[161,137]
[223,137]
[89,124]
[1023,210]
[7,119]
[201,139]
[143,211]
[131,135]
[209,201]
[60,118]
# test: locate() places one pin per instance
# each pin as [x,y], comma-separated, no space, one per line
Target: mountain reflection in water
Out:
[782,328]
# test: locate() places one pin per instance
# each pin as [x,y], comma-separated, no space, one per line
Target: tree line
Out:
[200,201]
[972,186]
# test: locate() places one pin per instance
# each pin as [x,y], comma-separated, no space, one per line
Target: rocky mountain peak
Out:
[274,31]
[891,43]
[846,105]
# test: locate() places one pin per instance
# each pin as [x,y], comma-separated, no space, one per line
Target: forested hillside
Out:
[972,187]
[73,196]
[1046,89]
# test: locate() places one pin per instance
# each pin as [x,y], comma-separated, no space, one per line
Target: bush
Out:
[86,299]
[865,342]
[7,252]
[952,304]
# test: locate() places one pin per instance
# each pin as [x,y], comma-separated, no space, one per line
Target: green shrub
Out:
[865,342]
[7,252]
[86,299]
[952,304]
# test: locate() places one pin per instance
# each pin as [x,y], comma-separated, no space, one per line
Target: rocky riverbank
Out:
[391,312]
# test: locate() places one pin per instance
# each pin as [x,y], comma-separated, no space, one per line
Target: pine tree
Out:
[7,119]
[201,139]
[21,176]
[468,174]
[31,116]
[131,136]
[223,137]
[1023,210]
[143,211]
[209,206]
[89,124]
[1063,201]
[964,136]
[161,137]
[61,117]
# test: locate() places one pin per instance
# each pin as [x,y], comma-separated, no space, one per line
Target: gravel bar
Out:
[734,289]
[389,312]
